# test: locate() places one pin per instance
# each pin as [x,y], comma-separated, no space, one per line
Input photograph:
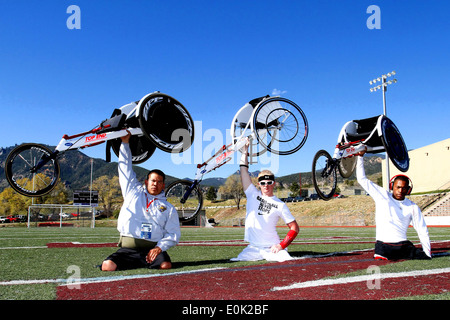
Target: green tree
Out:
[109,194]
[295,189]
[233,188]
[12,203]
[211,194]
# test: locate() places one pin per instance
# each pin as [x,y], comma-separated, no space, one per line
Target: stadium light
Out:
[383,85]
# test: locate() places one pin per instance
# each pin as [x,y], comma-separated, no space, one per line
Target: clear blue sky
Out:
[214,56]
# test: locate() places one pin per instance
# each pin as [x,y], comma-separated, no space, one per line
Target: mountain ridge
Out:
[76,171]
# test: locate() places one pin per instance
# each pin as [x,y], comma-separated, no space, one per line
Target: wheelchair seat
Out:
[364,129]
[380,135]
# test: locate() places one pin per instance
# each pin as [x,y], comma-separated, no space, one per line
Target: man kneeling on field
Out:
[393,214]
[263,212]
[148,224]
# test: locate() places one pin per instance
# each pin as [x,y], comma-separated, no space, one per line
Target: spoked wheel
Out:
[141,148]
[280,125]
[324,175]
[188,209]
[30,171]
[166,122]
[394,145]
[347,166]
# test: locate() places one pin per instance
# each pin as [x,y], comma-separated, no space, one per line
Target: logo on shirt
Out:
[162,208]
[265,206]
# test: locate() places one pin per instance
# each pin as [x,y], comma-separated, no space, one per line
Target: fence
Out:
[55,215]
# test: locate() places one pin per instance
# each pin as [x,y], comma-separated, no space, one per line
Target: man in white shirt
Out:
[393,215]
[148,224]
[263,212]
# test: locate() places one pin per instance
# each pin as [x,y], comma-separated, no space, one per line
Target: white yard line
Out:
[73,281]
[330,282]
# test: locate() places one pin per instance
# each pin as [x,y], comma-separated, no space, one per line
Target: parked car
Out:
[338,195]
[314,196]
[4,219]
[22,218]
[290,199]
[298,199]
[13,219]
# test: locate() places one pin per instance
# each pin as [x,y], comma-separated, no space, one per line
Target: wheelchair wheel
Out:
[394,145]
[141,148]
[191,207]
[21,173]
[280,126]
[166,122]
[347,167]
[324,175]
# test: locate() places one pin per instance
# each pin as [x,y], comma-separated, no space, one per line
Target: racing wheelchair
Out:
[376,134]
[268,124]
[155,121]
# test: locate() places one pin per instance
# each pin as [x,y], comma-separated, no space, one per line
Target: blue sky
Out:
[214,56]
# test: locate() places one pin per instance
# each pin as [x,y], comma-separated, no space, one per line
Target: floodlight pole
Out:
[384,98]
[387,178]
[383,86]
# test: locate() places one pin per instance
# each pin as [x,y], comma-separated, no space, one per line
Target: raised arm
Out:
[243,168]
[127,177]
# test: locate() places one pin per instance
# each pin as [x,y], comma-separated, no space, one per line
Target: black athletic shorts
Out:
[134,258]
[399,250]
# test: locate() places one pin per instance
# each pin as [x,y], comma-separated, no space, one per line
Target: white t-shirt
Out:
[392,217]
[262,217]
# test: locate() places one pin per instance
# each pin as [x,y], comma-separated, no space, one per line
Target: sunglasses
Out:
[269,183]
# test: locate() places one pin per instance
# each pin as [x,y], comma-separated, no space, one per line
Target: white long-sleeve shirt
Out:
[393,217]
[142,215]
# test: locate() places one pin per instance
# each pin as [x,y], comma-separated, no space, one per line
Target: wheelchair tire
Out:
[347,167]
[166,122]
[394,144]
[324,175]
[18,166]
[190,209]
[280,125]
[141,148]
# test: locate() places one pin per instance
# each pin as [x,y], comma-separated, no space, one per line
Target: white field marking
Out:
[65,282]
[330,282]
[14,248]
[57,237]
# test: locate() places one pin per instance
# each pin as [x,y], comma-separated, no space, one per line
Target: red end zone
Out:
[257,282]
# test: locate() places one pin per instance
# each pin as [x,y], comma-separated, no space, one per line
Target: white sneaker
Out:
[379,257]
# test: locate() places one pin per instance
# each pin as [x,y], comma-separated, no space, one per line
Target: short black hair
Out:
[402,178]
[158,172]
